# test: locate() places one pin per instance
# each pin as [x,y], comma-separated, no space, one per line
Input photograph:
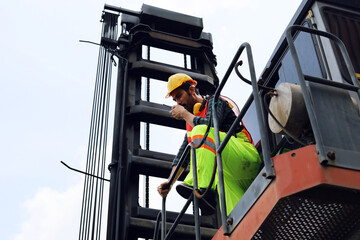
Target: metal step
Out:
[171,42]
[187,219]
[154,113]
[162,71]
[145,228]
[152,163]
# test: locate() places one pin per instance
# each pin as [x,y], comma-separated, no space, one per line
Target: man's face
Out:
[183,98]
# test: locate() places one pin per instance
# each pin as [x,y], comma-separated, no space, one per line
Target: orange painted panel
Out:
[296,171]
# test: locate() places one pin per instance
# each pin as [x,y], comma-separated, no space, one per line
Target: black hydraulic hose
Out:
[83,172]
[156,232]
[185,153]
[177,220]
[247,80]
[197,194]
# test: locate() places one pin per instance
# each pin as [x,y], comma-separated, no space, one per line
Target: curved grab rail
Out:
[307,98]
[263,132]
[332,37]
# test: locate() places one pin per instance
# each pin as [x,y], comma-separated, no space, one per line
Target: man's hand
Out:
[180,113]
[162,191]
[177,112]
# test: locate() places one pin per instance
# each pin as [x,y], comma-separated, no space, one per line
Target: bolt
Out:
[230,221]
[264,174]
[331,155]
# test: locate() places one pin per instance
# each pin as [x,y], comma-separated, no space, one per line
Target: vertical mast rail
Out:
[92,205]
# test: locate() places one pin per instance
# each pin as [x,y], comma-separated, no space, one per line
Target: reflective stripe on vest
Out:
[208,144]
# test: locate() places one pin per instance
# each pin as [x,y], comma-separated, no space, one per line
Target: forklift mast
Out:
[142,33]
[303,115]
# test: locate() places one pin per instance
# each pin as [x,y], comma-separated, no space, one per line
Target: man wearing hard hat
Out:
[241,161]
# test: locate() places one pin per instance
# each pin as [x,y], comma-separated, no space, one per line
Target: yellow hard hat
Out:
[176,80]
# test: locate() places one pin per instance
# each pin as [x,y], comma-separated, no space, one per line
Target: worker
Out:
[240,158]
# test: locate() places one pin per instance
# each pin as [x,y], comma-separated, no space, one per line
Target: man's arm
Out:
[164,188]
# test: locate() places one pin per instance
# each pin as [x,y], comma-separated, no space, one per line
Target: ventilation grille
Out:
[324,215]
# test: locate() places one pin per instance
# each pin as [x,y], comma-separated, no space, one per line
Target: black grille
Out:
[346,26]
[321,213]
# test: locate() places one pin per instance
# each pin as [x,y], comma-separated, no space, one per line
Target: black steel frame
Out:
[128,159]
[119,169]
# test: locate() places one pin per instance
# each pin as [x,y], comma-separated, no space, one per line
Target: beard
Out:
[190,103]
[187,107]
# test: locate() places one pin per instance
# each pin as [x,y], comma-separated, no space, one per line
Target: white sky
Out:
[47,81]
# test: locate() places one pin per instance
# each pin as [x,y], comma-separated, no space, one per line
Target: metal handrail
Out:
[263,131]
[220,146]
[339,43]
[166,235]
[195,198]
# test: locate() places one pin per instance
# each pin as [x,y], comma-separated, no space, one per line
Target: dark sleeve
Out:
[180,152]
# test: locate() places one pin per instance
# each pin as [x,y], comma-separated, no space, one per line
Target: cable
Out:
[196,192]
[247,80]
[76,170]
[201,195]
[92,204]
[85,41]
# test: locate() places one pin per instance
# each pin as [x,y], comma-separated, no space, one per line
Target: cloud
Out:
[52,215]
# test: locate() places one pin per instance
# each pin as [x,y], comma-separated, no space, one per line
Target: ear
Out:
[192,90]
